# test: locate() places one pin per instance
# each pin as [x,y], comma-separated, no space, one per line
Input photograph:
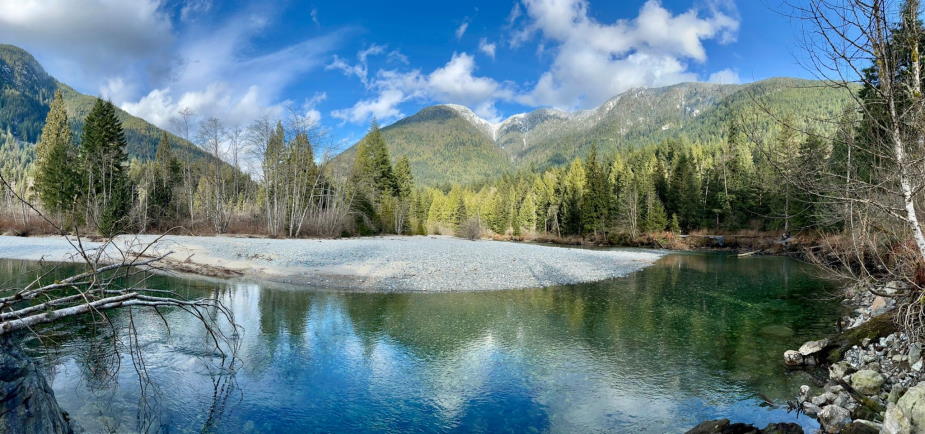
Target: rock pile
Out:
[876,386]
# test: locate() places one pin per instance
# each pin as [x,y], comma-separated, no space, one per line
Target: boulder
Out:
[895,421]
[834,418]
[912,405]
[867,381]
[27,402]
[813,347]
[793,358]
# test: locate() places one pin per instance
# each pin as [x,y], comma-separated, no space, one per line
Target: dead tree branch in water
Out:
[115,279]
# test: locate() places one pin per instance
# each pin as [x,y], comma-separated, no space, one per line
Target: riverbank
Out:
[874,380]
[410,263]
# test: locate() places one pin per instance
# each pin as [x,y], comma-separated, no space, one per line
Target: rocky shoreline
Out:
[871,376]
[873,386]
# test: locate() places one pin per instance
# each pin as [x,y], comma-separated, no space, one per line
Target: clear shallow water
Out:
[695,337]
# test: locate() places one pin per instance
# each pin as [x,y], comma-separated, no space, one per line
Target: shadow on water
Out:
[697,336]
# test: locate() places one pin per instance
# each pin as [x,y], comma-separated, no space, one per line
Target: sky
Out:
[341,64]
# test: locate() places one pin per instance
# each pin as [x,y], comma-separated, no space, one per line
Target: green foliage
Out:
[103,165]
[26,92]
[57,181]
[444,147]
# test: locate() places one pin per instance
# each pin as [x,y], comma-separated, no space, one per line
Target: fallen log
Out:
[875,328]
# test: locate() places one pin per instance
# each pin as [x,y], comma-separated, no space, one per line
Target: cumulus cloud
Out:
[594,61]
[147,58]
[455,82]
[215,80]
[487,47]
[725,76]
[91,39]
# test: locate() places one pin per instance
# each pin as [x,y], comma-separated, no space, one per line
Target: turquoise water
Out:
[695,337]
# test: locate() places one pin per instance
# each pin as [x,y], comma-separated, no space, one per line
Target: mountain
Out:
[450,143]
[26,91]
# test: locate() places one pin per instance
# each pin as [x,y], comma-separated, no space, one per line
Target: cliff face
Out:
[27,402]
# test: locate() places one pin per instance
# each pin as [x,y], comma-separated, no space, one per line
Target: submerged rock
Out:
[861,426]
[27,402]
[724,426]
[776,330]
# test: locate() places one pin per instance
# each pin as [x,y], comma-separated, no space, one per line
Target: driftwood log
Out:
[875,328]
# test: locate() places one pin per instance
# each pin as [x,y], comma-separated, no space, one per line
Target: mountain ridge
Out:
[26,91]
[546,137]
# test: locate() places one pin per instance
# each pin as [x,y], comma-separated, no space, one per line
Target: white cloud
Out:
[384,106]
[82,41]
[594,61]
[214,79]
[725,76]
[461,30]
[455,82]
[153,64]
[487,47]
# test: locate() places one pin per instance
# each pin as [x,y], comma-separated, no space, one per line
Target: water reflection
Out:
[694,337]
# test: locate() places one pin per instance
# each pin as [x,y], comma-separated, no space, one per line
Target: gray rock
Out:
[841,400]
[915,352]
[893,287]
[820,400]
[27,402]
[810,408]
[895,393]
[895,421]
[834,418]
[839,370]
[793,358]
[867,381]
[813,347]
[912,405]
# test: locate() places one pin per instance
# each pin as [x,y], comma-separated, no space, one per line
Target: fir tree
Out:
[166,173]
[56,178]
[103,161]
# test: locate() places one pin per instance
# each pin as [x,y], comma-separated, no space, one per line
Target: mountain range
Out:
[26,91]
[451,144]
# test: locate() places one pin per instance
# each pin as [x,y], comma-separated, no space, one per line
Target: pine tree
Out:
[404,180]
[56,177]
[526,219]
[103,161]
[166,173]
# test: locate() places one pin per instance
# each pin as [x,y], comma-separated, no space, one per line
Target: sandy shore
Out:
[370,264]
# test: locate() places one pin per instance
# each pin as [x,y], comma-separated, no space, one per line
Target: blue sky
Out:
[341,64]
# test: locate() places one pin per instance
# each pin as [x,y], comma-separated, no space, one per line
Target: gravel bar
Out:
[396,263]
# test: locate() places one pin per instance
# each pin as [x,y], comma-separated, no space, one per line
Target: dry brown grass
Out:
[15,224]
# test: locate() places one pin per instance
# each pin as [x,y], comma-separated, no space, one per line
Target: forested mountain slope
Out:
[450,144]
[26,91]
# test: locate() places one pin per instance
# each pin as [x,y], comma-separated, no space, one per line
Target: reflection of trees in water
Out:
[114,348]
[690,321]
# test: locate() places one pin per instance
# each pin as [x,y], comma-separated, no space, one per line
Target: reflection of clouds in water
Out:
[459,376]
[673,344]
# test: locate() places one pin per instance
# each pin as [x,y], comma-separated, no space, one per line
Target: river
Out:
[696,336]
